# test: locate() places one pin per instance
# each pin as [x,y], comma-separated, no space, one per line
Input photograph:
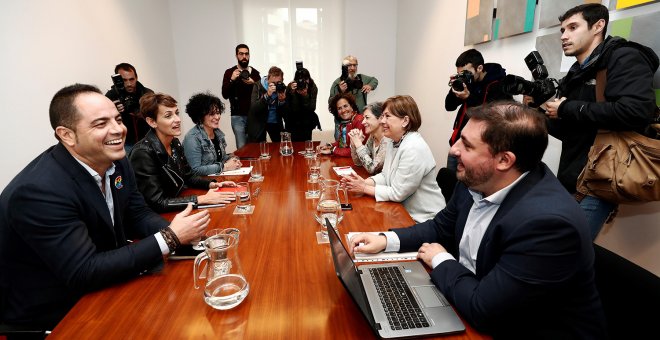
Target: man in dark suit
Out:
[66,218]
[511,251]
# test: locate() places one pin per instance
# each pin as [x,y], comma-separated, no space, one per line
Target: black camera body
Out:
[129,101]
[301,77]
[245,74]
[280,87]
[541,89]
[458,80]
[352,83]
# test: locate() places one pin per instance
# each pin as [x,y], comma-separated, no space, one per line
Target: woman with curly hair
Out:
[345,110]
[205,144]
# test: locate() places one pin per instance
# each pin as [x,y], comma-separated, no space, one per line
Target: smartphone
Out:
[346,206]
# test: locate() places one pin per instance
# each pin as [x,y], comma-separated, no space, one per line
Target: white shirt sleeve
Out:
[393,242]
[441,257]
[164,249]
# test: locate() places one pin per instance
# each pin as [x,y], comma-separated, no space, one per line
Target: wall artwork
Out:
[479,21]
[551,10]
[513,17]
[549,46]
[621,4]
[644,30]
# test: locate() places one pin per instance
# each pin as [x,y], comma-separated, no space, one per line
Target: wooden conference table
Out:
[294,291]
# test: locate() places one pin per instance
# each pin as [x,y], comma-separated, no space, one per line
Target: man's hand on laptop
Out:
[428,250]
[368,243]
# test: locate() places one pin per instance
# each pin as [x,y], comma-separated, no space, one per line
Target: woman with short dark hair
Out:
[204,144]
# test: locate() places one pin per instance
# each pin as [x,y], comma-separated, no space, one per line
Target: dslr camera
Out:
[280,87]
[541,89]
[245,74]
[458,80]
[301,78]
[129,101]
[352,83]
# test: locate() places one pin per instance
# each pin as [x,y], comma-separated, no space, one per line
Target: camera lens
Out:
[245,74]
[457,85]
[280,87]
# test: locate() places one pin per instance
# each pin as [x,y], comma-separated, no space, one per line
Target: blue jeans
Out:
[597,212]
[239,126]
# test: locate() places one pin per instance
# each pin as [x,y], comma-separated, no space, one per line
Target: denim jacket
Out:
[201,154]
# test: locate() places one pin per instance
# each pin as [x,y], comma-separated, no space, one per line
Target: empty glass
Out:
[313,184]
[314,162]
[286,148]
[256,173]
[263,150]
[309,149]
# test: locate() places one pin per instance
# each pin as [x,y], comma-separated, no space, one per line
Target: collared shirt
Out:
[481,214]
[108,192]
[164,249]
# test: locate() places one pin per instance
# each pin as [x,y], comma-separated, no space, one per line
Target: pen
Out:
[210,206]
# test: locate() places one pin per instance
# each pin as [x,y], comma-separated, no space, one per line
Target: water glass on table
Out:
[256,173]
[264,151]
[243,196]
[309,149]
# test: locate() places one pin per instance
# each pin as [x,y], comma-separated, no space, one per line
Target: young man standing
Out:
[626,68]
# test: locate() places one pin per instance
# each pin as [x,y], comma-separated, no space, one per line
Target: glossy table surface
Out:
[294,291]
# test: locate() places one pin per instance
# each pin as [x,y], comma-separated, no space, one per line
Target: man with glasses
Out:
[350,81]
[237,87]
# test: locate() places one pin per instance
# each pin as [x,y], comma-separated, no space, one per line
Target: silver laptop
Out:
[379,290]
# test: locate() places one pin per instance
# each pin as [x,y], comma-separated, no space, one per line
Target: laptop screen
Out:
[347,272]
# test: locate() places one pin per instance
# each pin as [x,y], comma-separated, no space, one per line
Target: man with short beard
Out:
[511,251]
[237,86]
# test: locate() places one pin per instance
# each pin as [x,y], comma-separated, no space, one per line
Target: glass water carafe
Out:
[226,286]
[329,205]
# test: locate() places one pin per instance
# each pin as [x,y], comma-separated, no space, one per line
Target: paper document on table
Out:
[382,256]
[242,171]
[343,170]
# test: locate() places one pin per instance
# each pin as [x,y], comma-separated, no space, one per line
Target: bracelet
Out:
[170,238]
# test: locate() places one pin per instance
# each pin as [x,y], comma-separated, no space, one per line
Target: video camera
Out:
[458,80]
[541,89]
[129,101]
[352,83]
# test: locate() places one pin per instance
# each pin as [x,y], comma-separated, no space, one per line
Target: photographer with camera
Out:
[237,84]
[359,85]
[268,107]
[576,115]
[125,93]
[475,83]
[302,117]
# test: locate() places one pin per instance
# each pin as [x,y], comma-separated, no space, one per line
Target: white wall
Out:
[47,45]
[430,37]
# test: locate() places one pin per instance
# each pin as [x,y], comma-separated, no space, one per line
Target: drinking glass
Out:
[243,196]
[256,173]
[286,148]
[309,148]
[263,150]
[313,184]
[315,162]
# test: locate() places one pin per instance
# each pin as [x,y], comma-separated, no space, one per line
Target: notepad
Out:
[343,170]
[242,171]
[382,256]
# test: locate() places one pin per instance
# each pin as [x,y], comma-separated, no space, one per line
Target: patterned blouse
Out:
[369,156]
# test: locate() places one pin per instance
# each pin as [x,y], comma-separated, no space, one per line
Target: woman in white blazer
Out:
[407,175]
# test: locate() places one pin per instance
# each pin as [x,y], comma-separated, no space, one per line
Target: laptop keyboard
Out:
[399,304]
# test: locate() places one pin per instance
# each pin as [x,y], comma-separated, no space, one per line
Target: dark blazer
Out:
[161,177]
[534,271]
[57,240]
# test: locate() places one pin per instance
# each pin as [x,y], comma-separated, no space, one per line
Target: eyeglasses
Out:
[354,65]
[244,53]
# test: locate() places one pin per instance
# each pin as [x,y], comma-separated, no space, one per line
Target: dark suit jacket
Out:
[57,240]
[534,271]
